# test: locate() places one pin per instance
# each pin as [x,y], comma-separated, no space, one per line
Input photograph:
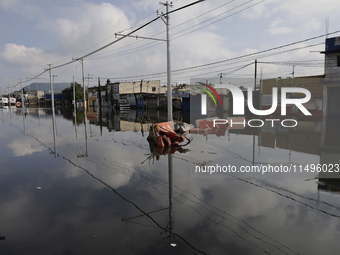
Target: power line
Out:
[211,65]
[149,45]
[119,39]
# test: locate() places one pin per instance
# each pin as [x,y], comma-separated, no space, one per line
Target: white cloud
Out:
[280,30]
[22,148]
[86,27]
[21,7]
[80,27]
[31,60]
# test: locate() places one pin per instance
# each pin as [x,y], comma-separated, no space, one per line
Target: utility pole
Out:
[37,95]
[255,74]
[82,67]
[221,76]
[167,22]
[74,108]
[52,89]
[88,85]
[74,95]
[293,76]
[53,112]
[22,96]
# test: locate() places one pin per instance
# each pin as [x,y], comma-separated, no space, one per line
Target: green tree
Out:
[68,92]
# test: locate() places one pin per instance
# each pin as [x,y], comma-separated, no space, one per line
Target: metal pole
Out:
[168,64]
[255,74]
[37,95]
[22,96]
[53,112]
[74,95]
[74,107]
[88,85]
[168,61]
[82,67]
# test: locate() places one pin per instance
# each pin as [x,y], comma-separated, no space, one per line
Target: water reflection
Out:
[111,197]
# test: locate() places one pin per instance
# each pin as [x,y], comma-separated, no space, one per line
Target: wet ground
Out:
[96,187]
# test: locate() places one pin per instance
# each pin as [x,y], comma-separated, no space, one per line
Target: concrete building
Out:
[32,96]
[314,84]
[330,136]
[148,94]
[332,77]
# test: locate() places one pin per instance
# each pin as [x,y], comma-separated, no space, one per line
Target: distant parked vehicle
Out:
[4,102]
[12,102]
[19,104]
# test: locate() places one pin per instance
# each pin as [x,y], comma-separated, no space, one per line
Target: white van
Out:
[4,102]
[12,102]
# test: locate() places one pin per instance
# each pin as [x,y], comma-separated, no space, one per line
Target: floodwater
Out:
[77,185]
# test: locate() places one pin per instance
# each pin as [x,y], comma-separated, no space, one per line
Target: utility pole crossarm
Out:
[141,37]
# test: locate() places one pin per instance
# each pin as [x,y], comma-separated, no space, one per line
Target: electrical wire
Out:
[153,44]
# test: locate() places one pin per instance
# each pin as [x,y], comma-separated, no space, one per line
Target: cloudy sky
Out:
[209,38]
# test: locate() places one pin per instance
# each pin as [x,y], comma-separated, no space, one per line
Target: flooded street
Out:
[96,187]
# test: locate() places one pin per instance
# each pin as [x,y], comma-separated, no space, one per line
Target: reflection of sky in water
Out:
[73,204]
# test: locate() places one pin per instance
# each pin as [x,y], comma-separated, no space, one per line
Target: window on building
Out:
[154,88]
[338,61]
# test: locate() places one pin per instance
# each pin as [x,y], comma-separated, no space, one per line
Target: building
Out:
[330,136]
[314,84]
[332,77]
[142,94]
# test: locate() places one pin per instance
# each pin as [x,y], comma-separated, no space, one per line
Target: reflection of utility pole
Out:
[86,135]
[86,146]
[253,150]
[170,163]
[23,109]
[54,134]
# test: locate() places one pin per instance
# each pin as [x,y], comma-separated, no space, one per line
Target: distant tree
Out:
[68,92]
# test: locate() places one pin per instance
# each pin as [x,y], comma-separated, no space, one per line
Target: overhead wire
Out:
[153,44]
[173,27]
[188,68]
[229,61]
[125,29]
